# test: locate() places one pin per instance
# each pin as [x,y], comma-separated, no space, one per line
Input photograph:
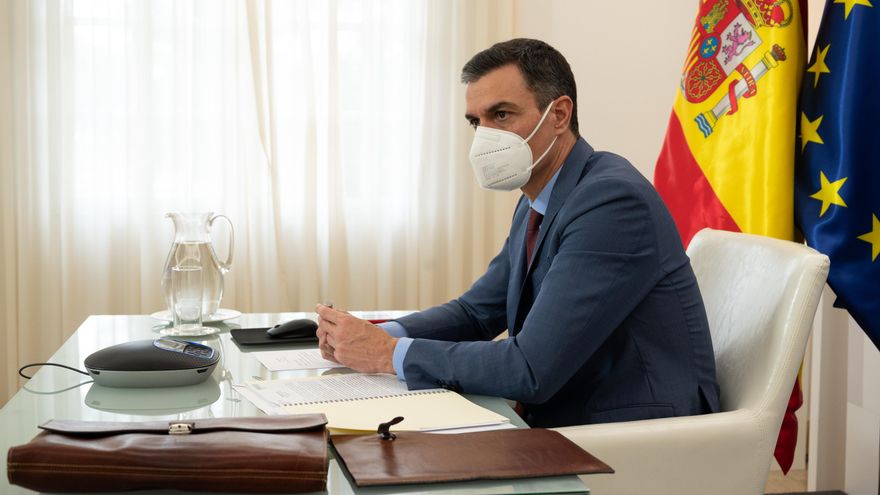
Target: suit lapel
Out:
[518,250]
[569,176]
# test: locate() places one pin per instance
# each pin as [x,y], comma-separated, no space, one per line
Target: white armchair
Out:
[761,295]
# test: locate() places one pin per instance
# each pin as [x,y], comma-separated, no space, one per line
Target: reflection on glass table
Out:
[153,401]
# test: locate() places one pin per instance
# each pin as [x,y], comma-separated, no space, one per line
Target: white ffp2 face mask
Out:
[502,160]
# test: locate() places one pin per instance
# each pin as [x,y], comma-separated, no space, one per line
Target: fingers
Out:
[326,348]
[328,314]
[325,341]
[323,338]
[328,353]
[349,340]
[326,321]
[332,321]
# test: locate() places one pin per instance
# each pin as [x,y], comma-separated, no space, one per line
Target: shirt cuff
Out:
[397,330]
[393,329]
[399,356]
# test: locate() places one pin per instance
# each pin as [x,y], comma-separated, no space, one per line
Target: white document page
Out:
[421,412]
[362,401]
[302,359]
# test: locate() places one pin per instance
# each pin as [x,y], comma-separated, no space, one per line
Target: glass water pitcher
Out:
[192,247]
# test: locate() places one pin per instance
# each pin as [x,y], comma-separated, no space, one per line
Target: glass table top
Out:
[57,393]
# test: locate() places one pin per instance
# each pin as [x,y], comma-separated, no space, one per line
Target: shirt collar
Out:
[540,203]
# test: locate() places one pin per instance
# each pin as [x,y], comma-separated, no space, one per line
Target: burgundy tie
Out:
[532,234]
[531,237]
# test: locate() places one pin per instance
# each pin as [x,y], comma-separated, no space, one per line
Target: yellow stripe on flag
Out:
[749,157]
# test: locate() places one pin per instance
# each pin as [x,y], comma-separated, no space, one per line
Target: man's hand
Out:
[354,342]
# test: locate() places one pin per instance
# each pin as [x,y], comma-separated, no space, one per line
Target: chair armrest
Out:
[717,453]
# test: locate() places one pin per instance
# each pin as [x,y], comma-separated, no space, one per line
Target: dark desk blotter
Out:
[257,336]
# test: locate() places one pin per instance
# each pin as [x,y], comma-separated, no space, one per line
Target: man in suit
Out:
[605,319]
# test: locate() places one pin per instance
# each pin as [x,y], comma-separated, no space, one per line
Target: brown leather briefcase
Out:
[255,454]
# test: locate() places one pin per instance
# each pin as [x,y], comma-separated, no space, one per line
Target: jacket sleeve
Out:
[599,264]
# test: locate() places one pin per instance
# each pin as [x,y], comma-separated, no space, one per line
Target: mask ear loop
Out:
[543,154]
[546,112]
[536,162]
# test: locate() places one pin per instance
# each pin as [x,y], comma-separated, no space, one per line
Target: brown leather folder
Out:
[413,457]
[278,454]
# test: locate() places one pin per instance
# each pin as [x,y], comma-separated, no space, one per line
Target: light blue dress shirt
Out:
[395,329]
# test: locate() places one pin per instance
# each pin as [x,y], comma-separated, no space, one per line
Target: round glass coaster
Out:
[189,332]
[221,315]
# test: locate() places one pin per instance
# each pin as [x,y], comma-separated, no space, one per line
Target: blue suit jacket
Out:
[606,325]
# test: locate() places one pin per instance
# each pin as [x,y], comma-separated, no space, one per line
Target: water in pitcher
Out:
[199,254]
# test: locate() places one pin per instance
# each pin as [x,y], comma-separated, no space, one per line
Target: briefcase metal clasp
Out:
[180,428]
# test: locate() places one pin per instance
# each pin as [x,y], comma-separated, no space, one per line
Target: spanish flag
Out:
[728,158]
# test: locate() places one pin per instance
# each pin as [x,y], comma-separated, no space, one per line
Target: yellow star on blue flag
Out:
[846,104]
[849,4]
[819,67]
[829,194]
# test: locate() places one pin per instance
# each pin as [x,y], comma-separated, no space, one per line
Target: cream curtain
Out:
[330,132]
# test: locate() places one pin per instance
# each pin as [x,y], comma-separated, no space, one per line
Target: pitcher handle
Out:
[225,265]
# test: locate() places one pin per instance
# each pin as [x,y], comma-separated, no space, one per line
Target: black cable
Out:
[20,370]
[25,387]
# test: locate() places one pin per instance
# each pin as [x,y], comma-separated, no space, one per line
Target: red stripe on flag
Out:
[787,439]
[786,442]
[683,186]
[804,16]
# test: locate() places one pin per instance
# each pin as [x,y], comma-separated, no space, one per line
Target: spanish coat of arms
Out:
[726,33]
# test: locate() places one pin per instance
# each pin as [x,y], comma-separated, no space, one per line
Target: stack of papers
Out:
[362,401]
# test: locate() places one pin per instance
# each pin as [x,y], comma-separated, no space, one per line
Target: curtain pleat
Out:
[331,133]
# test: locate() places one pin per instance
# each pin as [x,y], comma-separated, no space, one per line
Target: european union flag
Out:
[837,186]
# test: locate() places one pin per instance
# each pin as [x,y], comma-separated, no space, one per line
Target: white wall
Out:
[862,413]
[626,58]
[844,438]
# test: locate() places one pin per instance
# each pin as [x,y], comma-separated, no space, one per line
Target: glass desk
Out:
[56,393]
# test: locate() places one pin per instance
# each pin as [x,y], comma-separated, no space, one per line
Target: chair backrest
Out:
[761,295]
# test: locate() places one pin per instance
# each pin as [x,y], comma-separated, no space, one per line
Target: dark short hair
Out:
[547,73]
